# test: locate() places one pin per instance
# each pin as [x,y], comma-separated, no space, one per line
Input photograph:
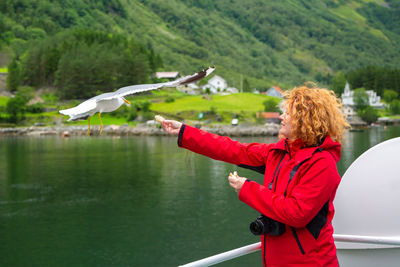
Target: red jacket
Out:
[303,184]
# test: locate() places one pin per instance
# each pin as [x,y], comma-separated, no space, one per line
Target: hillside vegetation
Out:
[268,42]
[170,103]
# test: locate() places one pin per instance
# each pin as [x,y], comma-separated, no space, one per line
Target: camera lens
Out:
[264,225]
[256,227]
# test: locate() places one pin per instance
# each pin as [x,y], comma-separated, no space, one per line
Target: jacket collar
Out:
[300,153]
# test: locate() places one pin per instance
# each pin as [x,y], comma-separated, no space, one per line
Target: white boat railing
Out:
[378,240]
[235,253]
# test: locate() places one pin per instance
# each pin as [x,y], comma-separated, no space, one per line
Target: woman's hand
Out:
[236,182]
[171,126]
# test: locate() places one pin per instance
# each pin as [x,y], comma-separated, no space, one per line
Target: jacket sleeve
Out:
[223,148]
[317,185]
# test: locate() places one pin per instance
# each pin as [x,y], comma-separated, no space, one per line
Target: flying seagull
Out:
[109,102]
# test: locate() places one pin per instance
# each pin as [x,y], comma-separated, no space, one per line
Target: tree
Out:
[35,33]
[361,99]
[395,107]
[368,114]
[19,46]
[338,83]
[375,78]
[389,95]
[82,63]
[13,77]
[85,71]
[246,85]
[16,106]
[270,105]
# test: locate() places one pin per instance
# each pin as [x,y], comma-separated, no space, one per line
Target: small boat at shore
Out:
[356,130]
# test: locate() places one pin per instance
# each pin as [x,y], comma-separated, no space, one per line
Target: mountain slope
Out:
[285,42]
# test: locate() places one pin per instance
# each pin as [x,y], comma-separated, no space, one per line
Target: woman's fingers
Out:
[159,118]
[235,181]
[233,178]
[171,126]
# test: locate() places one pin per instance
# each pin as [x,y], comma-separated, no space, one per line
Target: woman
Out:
[300,176]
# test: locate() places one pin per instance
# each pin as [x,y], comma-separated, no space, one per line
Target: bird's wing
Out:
[133,89]
[88,107]
[81,111]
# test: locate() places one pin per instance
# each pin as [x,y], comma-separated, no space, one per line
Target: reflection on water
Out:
[354,144]
[137,201]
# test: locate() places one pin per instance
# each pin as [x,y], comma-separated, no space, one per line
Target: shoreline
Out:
[269,129]
[145,130]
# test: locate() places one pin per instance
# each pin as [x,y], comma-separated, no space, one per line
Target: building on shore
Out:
[348,98]
[270,117]
[274,91]
[349,111]
[216,84]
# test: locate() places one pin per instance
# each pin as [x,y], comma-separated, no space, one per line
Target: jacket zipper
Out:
[275,180]
[265,252]
[277,176]
[276,169]
[280,167]
[292,173]
[297,240]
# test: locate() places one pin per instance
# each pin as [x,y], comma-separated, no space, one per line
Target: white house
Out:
[274,91]
[348,111]
[374,99]
[347,96]
[216,84]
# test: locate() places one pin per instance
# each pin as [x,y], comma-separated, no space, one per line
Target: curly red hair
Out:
[315,113]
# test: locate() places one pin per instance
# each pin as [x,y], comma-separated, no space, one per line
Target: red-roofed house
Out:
[272,117]
[275,91]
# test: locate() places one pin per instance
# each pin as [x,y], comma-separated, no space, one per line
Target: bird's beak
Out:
[126,101]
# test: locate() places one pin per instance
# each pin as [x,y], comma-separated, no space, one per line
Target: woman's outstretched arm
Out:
[218,147]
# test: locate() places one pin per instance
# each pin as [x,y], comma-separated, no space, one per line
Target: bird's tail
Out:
[69,112]
[195,77]
[64,111]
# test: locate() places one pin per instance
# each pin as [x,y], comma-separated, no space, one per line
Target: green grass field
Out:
[234,103]
[219,109]
[94,120]
[182,107]
[3,100]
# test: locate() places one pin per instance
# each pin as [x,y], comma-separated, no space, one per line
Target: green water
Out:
[133,201]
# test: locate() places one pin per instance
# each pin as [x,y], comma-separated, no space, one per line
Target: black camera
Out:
[264,225]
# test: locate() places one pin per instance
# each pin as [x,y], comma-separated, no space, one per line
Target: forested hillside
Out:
[268,42]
